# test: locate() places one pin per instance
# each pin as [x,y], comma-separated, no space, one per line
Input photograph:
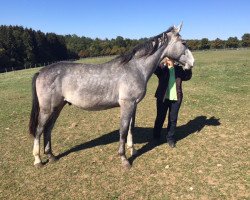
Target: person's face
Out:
[169,62]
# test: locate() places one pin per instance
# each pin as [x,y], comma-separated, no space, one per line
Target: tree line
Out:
[231,42]
[23,47]
[20,47]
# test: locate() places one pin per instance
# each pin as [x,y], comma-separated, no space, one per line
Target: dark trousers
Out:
[162,107]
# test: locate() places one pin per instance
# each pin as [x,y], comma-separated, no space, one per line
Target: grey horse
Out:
[120,82]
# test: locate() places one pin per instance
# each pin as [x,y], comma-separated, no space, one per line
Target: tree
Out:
[232,42]
[246,40]
[119,41]
[106,47]
[4,59]
[19,47]
[193,44]
[115,50]
[95,48]
[57,47]
[30,47]
[218,44]
[204,44]
[83,54]
[42,47]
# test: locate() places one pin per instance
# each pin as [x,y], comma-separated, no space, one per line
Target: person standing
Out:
[169,96]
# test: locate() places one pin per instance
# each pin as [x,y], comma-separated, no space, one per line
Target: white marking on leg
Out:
[133,151]
[130,144]
[36,151]
[130,139]
[47,148]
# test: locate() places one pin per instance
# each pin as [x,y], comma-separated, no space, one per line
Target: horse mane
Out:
[147,48]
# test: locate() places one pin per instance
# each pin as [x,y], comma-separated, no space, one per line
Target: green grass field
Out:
[211,160]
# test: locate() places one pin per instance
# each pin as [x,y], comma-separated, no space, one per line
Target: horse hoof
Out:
[127,165]
[39,165]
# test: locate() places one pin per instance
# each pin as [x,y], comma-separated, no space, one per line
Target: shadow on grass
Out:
[183,131]
[144,135]
[195,125]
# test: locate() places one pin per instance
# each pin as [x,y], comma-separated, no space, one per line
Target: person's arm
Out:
[187,75]
[158,70]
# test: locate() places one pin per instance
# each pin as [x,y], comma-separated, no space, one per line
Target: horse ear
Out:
[178,28]
[163,37]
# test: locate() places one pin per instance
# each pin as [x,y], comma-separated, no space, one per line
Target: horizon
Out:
[112,38]
[132,20]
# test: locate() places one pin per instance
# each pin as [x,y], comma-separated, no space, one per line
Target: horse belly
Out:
[91,91]
[92,101]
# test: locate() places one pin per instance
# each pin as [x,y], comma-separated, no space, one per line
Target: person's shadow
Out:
[195,125]
[145,135]
[183,131]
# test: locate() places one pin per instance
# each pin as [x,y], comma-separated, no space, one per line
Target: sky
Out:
[132,19]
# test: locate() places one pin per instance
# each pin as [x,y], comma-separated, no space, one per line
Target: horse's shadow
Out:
[145,135]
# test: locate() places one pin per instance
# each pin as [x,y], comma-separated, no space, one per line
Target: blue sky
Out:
[132,19]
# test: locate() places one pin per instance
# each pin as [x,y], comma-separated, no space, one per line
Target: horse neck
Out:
[148,65]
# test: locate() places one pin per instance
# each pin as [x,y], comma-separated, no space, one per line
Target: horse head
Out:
[176,48]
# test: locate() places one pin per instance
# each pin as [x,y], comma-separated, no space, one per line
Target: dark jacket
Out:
[162,73]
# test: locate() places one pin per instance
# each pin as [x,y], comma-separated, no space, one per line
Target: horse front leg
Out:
[130,143]
[127,109]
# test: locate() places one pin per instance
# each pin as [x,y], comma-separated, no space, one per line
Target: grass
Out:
[211,160]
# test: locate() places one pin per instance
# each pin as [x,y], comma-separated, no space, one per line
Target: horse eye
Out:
[184,43]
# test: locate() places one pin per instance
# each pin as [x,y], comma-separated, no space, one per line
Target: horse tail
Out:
[35,108]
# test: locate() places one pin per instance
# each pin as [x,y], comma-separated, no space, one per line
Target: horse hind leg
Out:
[48,130]
[44,115]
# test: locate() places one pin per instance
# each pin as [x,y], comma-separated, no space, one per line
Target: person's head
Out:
[168,61]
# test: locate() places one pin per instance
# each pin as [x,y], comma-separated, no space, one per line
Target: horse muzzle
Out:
[187,60]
